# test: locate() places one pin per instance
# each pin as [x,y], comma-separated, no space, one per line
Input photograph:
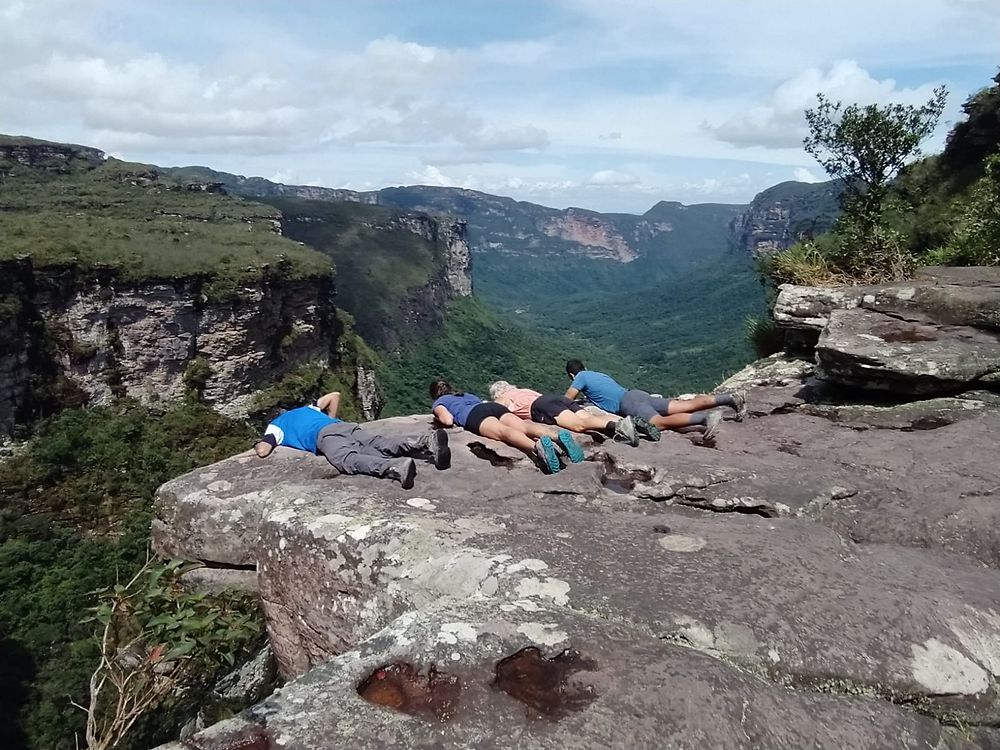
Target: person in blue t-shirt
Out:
[349,448]
[652,413]
[491,420]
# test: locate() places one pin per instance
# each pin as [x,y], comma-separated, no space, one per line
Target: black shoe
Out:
[440,450]
[647,430]
[404,470]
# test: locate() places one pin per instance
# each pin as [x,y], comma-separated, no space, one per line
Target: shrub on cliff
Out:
[74,518]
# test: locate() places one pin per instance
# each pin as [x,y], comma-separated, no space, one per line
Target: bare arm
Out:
[329,403]
[572,393]
[444,416]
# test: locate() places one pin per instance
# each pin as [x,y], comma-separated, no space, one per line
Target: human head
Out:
[264,446]
[573,367]
[499,388]
[439,388]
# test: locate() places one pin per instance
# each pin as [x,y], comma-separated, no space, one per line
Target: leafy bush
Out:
[161,643]
[977,238]
[74,518]
[764,335]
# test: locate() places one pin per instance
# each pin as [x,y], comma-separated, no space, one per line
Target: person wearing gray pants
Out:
[350,448]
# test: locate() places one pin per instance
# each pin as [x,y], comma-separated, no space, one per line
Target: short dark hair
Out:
[439,388]
[574,366]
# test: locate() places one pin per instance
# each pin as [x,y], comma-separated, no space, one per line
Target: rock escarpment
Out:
[827,577]
[94,336]
[782,215]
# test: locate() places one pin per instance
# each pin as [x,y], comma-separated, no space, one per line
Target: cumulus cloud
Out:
[801,174]
[780,123]
[612,178]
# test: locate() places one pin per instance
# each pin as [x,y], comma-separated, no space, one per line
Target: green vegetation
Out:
[943,209]
[381,263]
[676,338]
[74,519]
[129,218]
[160,645]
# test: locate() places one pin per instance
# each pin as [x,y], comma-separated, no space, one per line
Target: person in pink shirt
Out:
[556,409]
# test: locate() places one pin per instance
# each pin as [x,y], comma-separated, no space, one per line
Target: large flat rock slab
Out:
[949,296]
[905,356]
[471,675]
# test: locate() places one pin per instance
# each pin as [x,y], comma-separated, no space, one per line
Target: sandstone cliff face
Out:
[593,233]
[59,158]
[782,215]
[104,338]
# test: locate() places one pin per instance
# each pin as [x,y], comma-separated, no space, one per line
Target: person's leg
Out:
[511,430]
[581,421]
[531,429]
[339,445]
[435,442]
[668,406]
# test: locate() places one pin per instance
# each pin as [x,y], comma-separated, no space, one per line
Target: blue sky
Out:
[606,105]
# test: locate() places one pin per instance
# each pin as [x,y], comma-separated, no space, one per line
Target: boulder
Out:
[827,576]
[905,355]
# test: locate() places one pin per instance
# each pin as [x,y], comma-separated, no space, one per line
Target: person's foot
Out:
[404,471]
[712,421]
[440,450]
[625,431]
[548,458]
[647,430]
[738,404]
[572,448]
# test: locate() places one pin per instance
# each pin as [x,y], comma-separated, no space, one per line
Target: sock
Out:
[724,399]
[609,429]
[698,417]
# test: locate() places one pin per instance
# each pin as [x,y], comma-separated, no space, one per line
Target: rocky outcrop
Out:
[936,334]
[593,232]
[103,337]
[827,577]
[58,158]
[782,215]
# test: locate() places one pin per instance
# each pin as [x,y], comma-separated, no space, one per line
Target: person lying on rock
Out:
[651,413]
[491,420]
[349,448]
[556,409]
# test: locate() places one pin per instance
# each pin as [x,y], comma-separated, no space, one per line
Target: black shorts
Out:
[548,406]
[485,410]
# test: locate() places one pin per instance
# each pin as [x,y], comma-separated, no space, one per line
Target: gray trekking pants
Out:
[351,450]
[636,403]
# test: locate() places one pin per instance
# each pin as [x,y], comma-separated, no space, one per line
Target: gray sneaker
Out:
[625,431]
[712,422]
[548,457]
[740,405]
[403,470]
[647,430]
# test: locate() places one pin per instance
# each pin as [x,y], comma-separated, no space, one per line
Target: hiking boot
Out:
[625,432]
[440,450]
[644,428]
[548,459]
[570,447]
[403,470]
[712,421]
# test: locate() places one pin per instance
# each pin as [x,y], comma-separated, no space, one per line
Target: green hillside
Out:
[62,208]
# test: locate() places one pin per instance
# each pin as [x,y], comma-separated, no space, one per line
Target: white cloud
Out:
[612,178]
[780,123]
[801,174]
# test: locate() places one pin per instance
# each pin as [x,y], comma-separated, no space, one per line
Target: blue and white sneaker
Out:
[570,446]
[548,458]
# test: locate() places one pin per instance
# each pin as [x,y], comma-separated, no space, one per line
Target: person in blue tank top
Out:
[491,420]
[348,447]
[652,413]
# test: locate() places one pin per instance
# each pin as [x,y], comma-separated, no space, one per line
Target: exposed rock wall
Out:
[107,338]
[782,215]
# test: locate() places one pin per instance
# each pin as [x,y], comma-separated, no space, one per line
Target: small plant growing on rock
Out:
[159,640]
